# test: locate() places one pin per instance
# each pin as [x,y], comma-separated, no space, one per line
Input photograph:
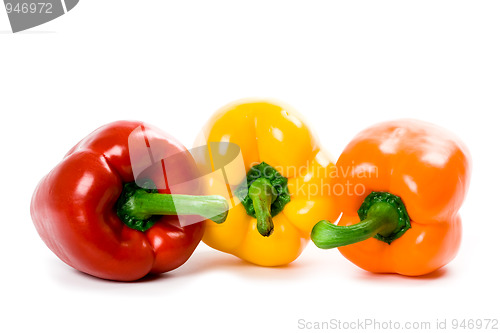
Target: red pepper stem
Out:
[144,205]
[139,207]
[263,194]
[382,219]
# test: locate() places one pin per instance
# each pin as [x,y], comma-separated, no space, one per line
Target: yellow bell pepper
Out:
[289,180]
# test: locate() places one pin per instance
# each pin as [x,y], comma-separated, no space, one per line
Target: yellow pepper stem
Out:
[263,194]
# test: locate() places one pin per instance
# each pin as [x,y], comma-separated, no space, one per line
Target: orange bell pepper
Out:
[405,180]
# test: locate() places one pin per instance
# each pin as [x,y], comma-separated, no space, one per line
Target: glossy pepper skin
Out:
[428,168]
[276,135]
[73,208]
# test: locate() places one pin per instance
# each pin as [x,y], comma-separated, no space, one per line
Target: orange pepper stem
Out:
[383,216]
[263,194]
[382,219]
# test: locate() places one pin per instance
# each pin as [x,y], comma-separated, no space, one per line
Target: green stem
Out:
[382,218]
[263,195]
[269,195]
[139,208]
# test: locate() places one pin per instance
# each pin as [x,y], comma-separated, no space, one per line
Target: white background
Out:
[343,65]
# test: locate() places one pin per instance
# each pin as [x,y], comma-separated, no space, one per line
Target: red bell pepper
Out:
[89,211]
